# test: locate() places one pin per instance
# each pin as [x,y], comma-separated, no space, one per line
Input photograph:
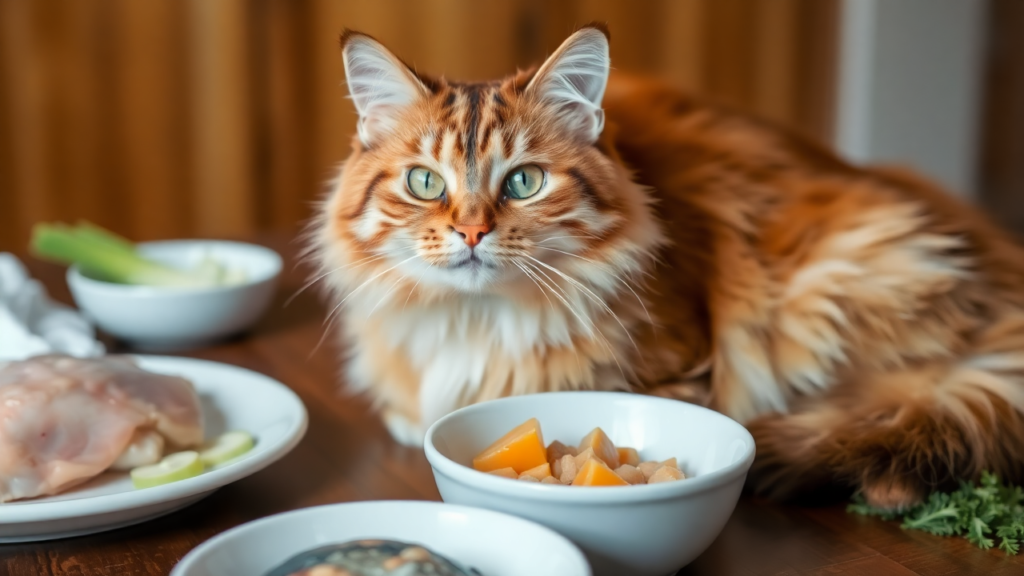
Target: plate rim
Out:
[30,512]
[189,560]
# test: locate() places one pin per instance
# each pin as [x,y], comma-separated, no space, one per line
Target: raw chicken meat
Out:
[64,420]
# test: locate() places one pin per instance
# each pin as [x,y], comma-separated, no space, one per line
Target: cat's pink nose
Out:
[472,233]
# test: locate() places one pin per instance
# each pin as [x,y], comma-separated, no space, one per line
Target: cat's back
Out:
[712,168]
[663,131]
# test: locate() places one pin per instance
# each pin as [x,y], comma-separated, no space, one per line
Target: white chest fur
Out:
[473,348]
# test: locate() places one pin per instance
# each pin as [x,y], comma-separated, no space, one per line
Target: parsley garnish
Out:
[978,512]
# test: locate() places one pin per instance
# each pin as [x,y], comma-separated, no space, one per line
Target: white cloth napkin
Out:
[32,324]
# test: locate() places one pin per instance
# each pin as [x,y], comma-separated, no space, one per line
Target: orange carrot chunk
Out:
[602,446]
[597,473]
[505,473]
[521,449]
[583,456]
[628,456]
[539,472]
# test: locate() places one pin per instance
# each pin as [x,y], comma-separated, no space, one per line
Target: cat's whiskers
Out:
[610,272]
[594,297]
[527,272]
[390,290]
[419,277]
[591,324]
[363,285]
[576,353]
[329,321]
[307,285]
[533,274]
[655,257]
[591,236]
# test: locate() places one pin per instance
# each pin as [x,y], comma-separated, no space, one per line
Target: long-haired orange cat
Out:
[560,230]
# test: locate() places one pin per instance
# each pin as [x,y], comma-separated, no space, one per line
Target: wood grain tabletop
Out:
[347,455]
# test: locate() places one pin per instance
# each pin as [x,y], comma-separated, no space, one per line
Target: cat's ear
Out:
[573,80]
[379,83]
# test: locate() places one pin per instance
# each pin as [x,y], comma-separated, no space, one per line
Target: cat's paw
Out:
[892,492]
[404,431]
[698,393]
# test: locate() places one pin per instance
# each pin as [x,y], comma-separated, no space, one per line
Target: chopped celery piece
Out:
[226,447]
[106,256]
[178,466]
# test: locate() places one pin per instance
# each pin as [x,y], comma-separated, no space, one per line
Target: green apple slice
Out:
[228,446]
[177,466]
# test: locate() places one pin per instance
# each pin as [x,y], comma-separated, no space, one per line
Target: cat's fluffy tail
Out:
[898,435]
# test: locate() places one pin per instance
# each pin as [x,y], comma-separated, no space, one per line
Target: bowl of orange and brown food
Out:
[596,461]
[623,524]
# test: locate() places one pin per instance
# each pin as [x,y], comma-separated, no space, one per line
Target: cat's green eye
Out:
[425,183]
[524,182]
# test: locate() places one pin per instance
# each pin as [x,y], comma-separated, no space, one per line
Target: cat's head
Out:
[481,188]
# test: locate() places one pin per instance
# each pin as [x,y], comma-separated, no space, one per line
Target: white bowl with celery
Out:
[167,295]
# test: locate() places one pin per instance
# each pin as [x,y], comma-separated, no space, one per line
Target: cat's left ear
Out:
[380,85]
[573,79]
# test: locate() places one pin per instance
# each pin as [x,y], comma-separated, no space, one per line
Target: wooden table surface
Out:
[347,455]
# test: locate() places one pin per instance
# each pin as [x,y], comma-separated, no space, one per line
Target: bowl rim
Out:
[574,495]
[194,556]
[75,275]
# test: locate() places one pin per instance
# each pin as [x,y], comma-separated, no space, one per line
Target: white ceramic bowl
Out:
[493,543]
[638,530]
[163,319]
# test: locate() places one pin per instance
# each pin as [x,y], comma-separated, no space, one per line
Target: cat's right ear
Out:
[379,83]
[573,80]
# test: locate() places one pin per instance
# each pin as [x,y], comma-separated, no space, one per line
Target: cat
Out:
[567,229]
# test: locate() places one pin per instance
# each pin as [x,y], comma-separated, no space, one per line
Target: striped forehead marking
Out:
[481,110]
[472,124]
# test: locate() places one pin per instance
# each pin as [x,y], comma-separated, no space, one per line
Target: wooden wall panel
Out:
[222,134]
[74,117]
[147,119]
[163,118]
[283,165]
[683,34]
[1002,157]
[26,185]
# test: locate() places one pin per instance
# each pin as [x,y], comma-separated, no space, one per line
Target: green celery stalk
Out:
[86,229]
[105,257]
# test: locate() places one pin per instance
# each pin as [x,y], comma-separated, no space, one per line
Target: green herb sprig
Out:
[978,512]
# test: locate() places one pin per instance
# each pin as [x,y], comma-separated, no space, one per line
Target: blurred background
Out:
[223,118]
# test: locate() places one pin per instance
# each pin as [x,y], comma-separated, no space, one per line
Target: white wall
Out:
[910,80]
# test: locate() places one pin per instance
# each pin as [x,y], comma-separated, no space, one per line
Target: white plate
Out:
[232,399]
[496,544]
